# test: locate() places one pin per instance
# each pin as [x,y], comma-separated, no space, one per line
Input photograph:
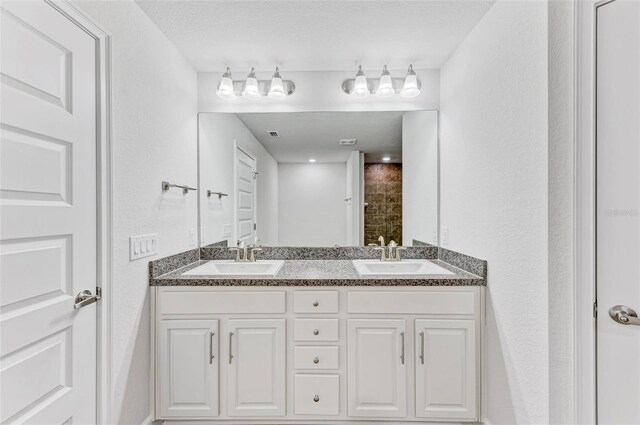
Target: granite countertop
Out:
[318,273]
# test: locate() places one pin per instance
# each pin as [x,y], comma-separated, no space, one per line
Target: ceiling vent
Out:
[347,142]
[273,133]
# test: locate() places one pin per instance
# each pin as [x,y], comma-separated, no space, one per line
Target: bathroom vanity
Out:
[317,343]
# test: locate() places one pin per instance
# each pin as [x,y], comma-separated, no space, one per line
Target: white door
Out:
[618,211]
[256,360]
[376,370]
[445,369]
[245,210]
[48,216]
[188,368]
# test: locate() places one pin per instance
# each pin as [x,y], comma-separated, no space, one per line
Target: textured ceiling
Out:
[315,35]
[305,135]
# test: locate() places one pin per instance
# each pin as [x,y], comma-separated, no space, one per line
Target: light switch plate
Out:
[445,236]
[142,246]
[192,237]
[226,230]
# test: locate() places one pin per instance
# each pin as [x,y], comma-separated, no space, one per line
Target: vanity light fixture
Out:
[312,160]
[276,91]
[251,90]
[410,87]
[386,158]
[254,89]
[360,88]
[385,88]
[225,87]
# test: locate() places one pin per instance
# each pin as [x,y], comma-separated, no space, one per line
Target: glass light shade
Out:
[410,87]
[251,90]
[277,89]
[385,89]
[225,88]
[360,88]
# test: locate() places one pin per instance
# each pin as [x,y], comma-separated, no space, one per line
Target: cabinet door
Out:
[256,364]
[376,368]
[446,369]
[188,368]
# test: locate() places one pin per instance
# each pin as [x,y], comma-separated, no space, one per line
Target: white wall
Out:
[561,226]
[419,176]
[319,91]
[311,207]
[154,106]
[217,133]
[494,195]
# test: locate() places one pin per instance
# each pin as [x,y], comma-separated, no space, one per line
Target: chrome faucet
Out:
[245,253]
[391,252]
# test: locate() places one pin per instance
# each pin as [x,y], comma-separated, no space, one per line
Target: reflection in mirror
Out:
[318,178]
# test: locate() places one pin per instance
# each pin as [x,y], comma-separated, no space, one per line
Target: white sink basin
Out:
[231,268]
[399,268]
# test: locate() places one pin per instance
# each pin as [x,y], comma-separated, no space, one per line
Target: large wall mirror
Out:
[318,179]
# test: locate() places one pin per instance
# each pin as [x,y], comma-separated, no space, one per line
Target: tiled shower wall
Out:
[383,196]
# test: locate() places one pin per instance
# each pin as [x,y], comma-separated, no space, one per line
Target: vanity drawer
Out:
[315,329]
[320,358]
[412,302]
[315,302]
[317,395]
[221,302]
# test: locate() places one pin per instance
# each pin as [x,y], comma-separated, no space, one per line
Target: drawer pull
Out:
[421,347]
[315,303]
[211,356]
[230,347]
[402,353]
[316,398]
[316,332]
[316,360]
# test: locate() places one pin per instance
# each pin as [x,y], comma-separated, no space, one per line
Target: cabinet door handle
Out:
[402,342]
[421,347]
[211,356]
[230,347]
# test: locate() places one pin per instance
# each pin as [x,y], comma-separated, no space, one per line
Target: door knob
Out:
[624,315]
[84,298]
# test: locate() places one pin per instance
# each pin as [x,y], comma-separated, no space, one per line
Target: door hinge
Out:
[98,292]
[255,226]
[595,310]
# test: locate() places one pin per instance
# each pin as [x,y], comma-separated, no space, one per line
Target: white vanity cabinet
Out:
[188,379]
[256,367]
[295,355]
[376,368]
[445,369]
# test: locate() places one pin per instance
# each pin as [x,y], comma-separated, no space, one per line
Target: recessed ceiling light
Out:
[386,158]
[312,160]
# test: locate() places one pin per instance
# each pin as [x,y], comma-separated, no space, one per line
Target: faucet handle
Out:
[398,249]
[253,250]
[237,251]
[382,250]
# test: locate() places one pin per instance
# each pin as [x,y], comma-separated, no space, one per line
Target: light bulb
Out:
[385,88]
[276,91]
[410,87]
[360,88]
[251,90]
[225,88]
